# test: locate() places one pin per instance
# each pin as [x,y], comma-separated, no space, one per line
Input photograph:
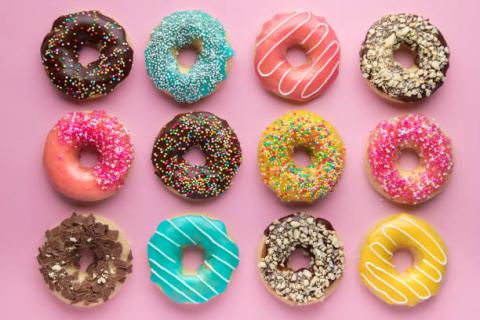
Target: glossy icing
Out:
[316,37]
[419,282]
[322,143]
[165,247]
[179,30]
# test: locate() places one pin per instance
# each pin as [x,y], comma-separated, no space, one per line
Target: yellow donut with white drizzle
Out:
[420,281]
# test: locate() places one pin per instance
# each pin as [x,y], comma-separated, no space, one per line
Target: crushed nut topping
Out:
[319,239]
[389,34]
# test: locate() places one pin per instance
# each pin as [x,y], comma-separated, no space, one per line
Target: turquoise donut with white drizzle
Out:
[185,29]
[165,250]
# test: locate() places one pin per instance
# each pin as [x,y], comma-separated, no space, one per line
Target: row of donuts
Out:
[291,183]
[59,259]
[197,29]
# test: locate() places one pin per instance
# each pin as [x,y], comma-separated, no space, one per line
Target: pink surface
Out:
[29,206]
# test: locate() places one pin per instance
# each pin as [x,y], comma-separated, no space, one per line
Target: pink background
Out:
[29,206]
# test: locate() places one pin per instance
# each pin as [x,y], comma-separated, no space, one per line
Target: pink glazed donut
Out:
[315,37]
[78,131]
[409,132]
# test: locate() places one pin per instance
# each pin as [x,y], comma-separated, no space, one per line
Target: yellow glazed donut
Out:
[420,281]
[322,143]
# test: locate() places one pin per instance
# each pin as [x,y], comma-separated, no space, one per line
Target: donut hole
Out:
[296,56]
[192,258]
[301,157]
[405,56]
[87,258]
[187,56]
[299,259]
[87,54]
[195,156]
[88,157]
[408,160]
[403,260]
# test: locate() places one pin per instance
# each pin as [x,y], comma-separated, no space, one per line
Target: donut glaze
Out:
[311,33]
[165,249]
[420,281]
[60,53]
[95,130]
[214,137]
[322,143]
[414,132]
[388,77]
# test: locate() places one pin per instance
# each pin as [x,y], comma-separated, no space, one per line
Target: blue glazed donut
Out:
[188,29]
[165,257]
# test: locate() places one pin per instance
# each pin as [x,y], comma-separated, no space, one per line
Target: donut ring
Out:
[59,260]
[409,132]
[214,137]
[78,131]
[307,285]
[60,53]
[419,282]
[389,78]
[322,143]
[315,36]
[165,256]
[188,29]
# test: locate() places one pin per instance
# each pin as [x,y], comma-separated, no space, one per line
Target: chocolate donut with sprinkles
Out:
[314,236]
[389,78]
[210,134]
[60,54]
[184,29]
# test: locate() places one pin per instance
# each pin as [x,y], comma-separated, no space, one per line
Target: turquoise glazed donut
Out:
[188,29]
[165,257]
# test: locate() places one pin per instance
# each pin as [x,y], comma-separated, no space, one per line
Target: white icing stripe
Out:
[313,30]
[168,239]
[173,287]
[278,26]
[211,239]
[178,279]
[278,43]
[206,284]
[303,96]
[216,272]
[223,261]
[369,265]
[183,233]
[371,246]
[161,252]
[214,226]
[429,294]
[384,292]
[324,35]
[439,274]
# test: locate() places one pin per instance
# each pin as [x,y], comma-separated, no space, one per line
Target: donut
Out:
[214,137]
[59,260]
[184,29]
[322,143]
[165,250]
[297,29]
[389,78]
[420,281]
[78,131]
[409,132]
[60,54]
[317,238]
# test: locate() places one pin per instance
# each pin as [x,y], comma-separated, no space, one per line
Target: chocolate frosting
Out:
[59,259]
[60,54]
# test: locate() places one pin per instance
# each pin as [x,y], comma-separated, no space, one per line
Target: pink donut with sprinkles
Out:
[97,131]
[315,36]
[409,132]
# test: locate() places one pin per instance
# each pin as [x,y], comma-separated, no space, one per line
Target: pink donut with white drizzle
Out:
[315,36]
[94,130]
[409,132]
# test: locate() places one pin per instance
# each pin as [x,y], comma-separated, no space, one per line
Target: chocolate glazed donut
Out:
[214,137]
[60,54]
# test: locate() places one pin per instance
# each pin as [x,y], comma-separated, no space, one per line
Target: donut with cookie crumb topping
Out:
[319,240]
[389,78]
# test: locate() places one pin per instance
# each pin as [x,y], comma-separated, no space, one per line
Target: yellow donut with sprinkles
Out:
[322,143]
[420,281]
